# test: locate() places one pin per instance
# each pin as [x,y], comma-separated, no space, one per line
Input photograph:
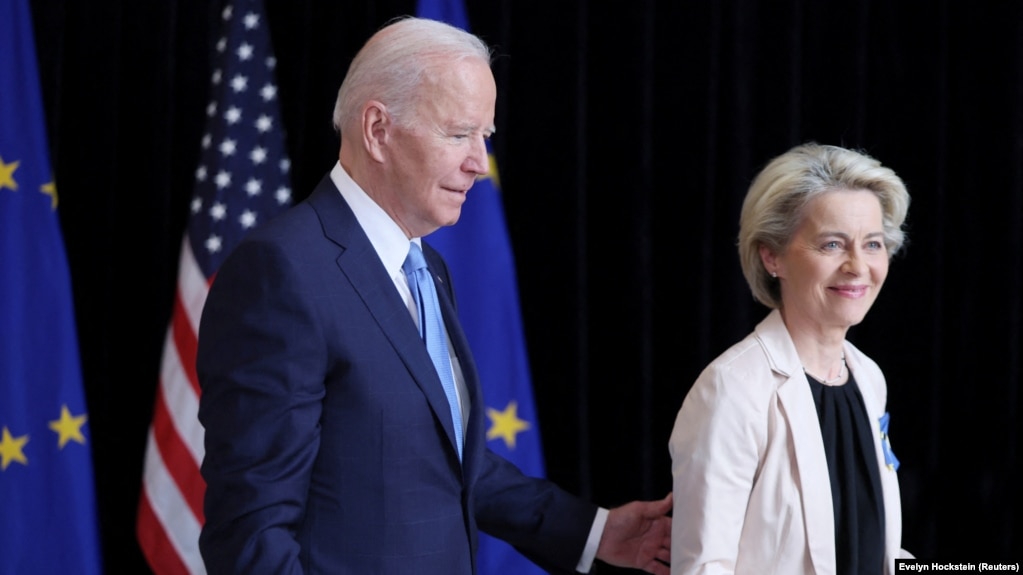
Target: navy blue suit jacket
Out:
[329,443]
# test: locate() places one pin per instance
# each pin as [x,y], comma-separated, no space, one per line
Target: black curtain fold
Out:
[627,135]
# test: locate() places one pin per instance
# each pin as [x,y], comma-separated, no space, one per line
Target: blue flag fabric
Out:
[478,251]
[48,521]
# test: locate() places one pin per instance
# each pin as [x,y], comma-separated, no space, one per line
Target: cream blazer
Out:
[751,484]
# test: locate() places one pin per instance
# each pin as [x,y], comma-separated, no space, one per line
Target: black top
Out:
[855,481]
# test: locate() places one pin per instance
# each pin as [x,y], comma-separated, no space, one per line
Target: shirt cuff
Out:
[592,542]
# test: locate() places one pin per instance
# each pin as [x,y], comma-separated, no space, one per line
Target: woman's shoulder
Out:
[744,369]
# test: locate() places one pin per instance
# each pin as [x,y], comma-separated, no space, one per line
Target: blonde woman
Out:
[780,455]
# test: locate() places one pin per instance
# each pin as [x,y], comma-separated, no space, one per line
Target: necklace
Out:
[837,378]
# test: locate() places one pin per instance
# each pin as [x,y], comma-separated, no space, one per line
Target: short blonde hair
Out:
[777,198]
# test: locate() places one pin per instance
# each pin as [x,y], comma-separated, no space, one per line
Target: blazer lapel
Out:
[815,486]
[811,463]
[889,480]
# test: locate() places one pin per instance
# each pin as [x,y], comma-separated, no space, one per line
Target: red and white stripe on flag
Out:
[170,508]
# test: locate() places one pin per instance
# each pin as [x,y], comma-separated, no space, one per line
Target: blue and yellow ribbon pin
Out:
[886,445]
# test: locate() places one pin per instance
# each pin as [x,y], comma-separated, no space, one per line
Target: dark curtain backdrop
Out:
[627,135]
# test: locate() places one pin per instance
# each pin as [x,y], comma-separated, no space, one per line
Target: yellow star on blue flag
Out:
[7,175]
[506,424]
[68,427]
[12,449]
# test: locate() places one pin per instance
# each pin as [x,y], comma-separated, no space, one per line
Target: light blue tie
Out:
[431,329]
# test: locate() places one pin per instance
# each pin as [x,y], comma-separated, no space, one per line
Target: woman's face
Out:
[835,264]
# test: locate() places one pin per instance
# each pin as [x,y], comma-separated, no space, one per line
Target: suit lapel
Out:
[361,266]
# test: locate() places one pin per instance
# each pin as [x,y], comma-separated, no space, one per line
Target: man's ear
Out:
[376,129]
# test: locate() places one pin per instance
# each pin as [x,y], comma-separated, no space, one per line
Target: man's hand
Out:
[638,535]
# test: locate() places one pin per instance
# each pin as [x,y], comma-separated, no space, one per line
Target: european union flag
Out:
[478,251]
[47,501]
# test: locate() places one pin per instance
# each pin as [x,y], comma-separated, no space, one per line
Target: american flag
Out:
[242,181]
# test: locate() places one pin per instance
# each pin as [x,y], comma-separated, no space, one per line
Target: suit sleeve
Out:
[260,369]
[545,523]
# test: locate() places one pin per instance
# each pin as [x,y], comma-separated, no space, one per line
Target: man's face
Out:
[437,154]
